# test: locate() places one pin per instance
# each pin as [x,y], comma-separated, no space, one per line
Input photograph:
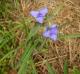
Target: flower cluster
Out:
[50,31]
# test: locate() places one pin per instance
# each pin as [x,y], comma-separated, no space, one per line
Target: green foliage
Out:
[65,70]
[23,66]
[76,71]
[34,71]
[69,36]
[28,50]
[33,31]
[50,69]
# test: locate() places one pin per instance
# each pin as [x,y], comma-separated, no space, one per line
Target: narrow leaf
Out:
[76,71]
[23,68]
[65,67]
[69,36]
[50,69]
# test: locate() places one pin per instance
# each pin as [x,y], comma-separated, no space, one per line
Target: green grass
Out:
[50,69]
[76,71]
[65,67]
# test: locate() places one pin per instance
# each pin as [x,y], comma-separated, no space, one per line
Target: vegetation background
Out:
[23,49]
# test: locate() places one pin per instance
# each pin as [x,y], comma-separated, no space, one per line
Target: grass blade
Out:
[34,71]
[7,55]
[33,31]
[69,36]
[65,70]
[76,71]
[23,67]
[50,70]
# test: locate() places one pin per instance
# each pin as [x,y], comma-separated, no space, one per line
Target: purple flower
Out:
[51,32]
[40,14]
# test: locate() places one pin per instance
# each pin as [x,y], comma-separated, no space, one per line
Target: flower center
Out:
[39,15]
